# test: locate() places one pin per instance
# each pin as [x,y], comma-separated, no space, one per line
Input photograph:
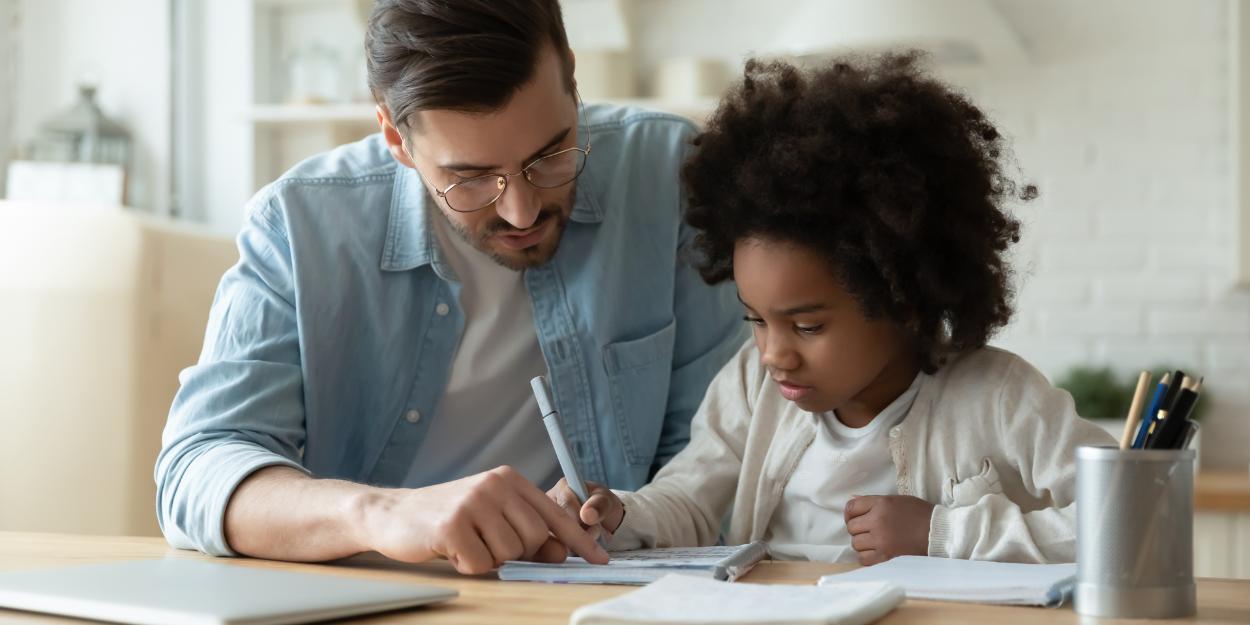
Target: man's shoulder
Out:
[362,163]
[637,131]
[635,161]
[334,189]
[348,168]
[608,117]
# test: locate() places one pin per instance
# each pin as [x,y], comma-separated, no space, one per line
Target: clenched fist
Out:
[883,527]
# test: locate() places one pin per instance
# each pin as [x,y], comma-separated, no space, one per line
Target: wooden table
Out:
[484,599]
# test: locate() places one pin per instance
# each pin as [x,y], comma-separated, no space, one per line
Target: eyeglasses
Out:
[547,172]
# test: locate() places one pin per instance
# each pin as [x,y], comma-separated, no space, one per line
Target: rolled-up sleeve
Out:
[241,407]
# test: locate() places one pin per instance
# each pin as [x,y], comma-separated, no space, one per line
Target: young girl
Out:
[858,208]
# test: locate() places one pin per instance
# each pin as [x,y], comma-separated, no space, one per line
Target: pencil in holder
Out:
[1134,533]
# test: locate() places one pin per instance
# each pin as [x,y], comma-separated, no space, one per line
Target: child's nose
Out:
[777,353]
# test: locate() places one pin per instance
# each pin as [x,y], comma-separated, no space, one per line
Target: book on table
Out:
[642,566]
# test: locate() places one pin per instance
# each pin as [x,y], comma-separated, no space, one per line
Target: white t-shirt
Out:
[488,415]
[841,461]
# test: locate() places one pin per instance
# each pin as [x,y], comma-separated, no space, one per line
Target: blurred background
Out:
[1128,115]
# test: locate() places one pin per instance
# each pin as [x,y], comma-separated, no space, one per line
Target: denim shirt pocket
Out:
[639,372]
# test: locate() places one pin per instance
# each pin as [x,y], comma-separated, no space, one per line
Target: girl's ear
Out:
[913,322]
[911,328]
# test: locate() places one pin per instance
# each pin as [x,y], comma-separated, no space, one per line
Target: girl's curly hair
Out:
[892,176]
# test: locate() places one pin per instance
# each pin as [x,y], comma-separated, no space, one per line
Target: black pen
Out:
[1173,429]
[1178,382]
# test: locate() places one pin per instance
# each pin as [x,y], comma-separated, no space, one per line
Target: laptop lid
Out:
[187,592]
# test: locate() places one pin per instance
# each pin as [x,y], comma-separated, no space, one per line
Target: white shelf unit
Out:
[286,134]
[304,113]
[282,133]
[366,112]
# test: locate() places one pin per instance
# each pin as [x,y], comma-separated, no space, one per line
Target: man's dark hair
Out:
[895,179]
[461,55]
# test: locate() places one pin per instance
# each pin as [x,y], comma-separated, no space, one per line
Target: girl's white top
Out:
[841,462]
[988,440]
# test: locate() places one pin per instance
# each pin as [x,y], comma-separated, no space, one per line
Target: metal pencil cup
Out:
[1135,532]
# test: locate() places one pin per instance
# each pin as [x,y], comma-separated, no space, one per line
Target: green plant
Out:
[1097,393]
[1100,394]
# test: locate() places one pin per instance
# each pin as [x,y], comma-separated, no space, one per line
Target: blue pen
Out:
[1160,392]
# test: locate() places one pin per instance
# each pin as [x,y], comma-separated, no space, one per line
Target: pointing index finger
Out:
[564,527]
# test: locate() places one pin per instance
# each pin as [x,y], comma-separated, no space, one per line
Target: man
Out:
[364,383]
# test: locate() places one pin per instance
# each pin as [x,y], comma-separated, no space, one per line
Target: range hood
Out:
[955,32]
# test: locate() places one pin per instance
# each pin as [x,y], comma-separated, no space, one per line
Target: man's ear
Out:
[394,139]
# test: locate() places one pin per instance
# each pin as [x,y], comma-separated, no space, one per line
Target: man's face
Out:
[521,229]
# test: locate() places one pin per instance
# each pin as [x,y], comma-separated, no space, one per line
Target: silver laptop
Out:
[186,592]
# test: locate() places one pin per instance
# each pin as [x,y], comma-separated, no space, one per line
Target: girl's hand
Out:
[603,507]
[885,527]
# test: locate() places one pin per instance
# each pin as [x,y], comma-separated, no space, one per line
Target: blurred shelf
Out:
[298,3]
[305,113]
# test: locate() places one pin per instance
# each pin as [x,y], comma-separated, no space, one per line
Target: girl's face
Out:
[818,347]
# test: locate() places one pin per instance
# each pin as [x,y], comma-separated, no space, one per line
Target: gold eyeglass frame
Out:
[502,179]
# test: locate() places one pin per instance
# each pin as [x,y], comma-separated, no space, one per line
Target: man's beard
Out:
[529,257]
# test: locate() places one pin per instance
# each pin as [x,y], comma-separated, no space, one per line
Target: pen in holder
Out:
[1134,532]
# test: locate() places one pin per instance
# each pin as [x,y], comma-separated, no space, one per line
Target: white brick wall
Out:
[1122,120]
[1121,117]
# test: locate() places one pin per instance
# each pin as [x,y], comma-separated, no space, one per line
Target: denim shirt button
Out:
[413,416]
[560,348]
[442,310]
[578,449]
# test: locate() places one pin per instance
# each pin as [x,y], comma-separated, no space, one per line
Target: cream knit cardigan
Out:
[988,441]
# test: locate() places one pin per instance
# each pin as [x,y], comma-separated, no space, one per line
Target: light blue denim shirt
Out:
[331,341]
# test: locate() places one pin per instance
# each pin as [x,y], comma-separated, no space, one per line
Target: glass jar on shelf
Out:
[314,76]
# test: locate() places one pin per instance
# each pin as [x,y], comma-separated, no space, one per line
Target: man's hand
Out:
[477,523]
[885,527]
[603,507]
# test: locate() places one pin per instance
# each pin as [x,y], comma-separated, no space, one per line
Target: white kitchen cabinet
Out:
[1222,524]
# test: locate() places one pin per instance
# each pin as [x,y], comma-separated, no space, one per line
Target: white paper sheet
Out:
[676,600]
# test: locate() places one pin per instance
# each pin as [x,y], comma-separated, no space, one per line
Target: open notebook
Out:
[642,566]
[948,579]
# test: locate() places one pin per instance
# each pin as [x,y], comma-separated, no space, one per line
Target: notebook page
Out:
[966,580]
[687,600]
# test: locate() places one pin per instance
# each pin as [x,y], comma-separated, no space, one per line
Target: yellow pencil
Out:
[1135,409]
